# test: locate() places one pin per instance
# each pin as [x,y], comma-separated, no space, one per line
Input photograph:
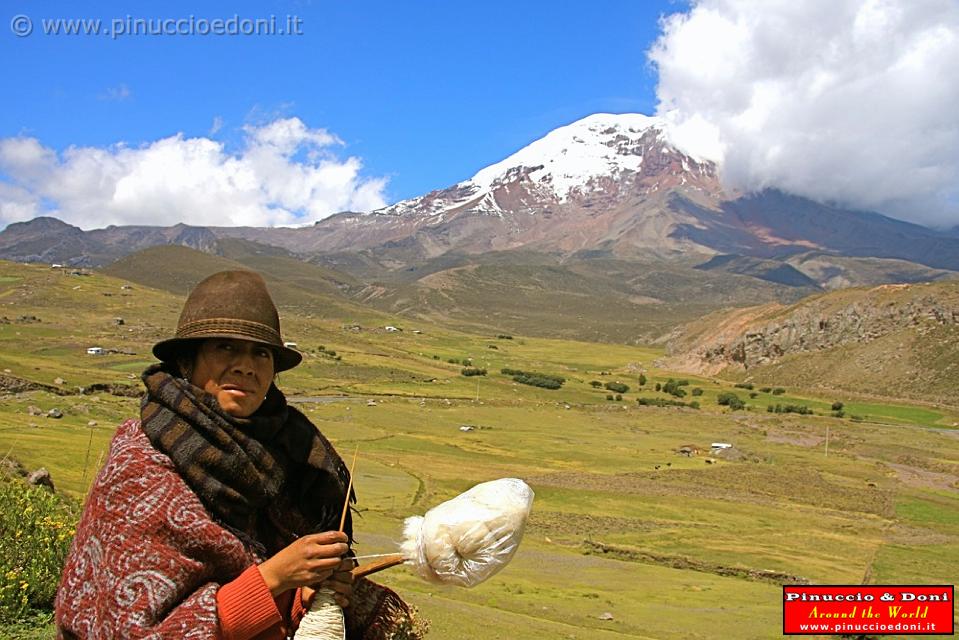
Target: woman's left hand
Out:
[340,583]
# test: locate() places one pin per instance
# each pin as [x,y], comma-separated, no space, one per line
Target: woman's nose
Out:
[243,361]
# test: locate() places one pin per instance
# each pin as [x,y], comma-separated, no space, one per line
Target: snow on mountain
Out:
[563,162]
[569,157]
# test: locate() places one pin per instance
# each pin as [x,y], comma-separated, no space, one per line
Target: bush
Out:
[618,397]
[744,385]
[596,384]
[674,388]
[731,400]
[473,371]
[642,380]
[609,397]
[36,528]
[837,406]
[766,389]
[535,379]
[659,387]
[617,387]
[838,414]
[663,402]
[753,394]
[801,409]
[778,391]
[697,391]
[504,336]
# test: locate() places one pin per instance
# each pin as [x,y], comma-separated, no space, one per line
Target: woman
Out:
[216,513]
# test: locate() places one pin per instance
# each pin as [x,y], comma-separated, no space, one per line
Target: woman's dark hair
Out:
[184,357]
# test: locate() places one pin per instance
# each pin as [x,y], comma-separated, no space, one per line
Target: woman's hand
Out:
[340,583]
[310,560]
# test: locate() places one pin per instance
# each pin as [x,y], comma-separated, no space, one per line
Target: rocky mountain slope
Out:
[891,339]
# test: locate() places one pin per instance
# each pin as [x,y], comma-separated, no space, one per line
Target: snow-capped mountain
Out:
[568,164]
[614,184]
[581,186]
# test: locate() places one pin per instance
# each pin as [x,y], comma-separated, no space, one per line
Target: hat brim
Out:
[284,358]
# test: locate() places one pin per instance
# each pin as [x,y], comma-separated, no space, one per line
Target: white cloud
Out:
[216,126]
[116,94]
[285,174]
[847,101]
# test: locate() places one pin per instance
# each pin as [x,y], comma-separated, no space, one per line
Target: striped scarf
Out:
[269,478]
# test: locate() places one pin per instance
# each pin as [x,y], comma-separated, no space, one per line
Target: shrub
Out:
[617,387]
[838,414]
[766,389]
[837,406]
[778,391]
[535,379]
[504,336]
[609,396]
[731,400]
[674,388]
[596,384]
[663,402]
[801,409]
[753,394]
[658,387]
[454,361]
[36,528]
[697,391]
[473,371]
[619,397]
[642,380]
[744,385]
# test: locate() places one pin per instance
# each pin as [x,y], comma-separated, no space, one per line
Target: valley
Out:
[639,528]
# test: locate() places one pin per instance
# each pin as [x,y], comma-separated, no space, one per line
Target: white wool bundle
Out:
[324,620]
[466,540]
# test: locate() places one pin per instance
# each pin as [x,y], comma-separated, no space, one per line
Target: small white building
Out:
[719,446]
[289,345]
[391,329]
[94,351]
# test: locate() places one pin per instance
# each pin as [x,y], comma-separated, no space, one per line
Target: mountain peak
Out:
[567,158]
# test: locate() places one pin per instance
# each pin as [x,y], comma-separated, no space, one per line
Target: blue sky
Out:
[849,102]
[426,93]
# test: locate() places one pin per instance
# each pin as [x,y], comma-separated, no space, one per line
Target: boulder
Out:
[41,478]
[54,413]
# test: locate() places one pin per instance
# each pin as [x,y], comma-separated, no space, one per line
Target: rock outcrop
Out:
[816,324]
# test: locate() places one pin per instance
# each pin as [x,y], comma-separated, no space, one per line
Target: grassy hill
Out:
[591,297]
[669,546]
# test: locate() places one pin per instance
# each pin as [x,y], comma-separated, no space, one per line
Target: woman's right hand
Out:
[310,560]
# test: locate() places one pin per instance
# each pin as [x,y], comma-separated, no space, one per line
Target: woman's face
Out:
[237,373]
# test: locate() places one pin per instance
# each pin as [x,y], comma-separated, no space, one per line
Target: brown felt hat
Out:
[230,304]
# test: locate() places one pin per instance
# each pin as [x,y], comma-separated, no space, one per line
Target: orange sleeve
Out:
[246,608]
[297,611]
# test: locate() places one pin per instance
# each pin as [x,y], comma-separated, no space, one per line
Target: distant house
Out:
[391,329]
[289,345]
[720,446]
[94,351]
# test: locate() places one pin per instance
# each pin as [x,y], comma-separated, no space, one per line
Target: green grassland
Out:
[670,546]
